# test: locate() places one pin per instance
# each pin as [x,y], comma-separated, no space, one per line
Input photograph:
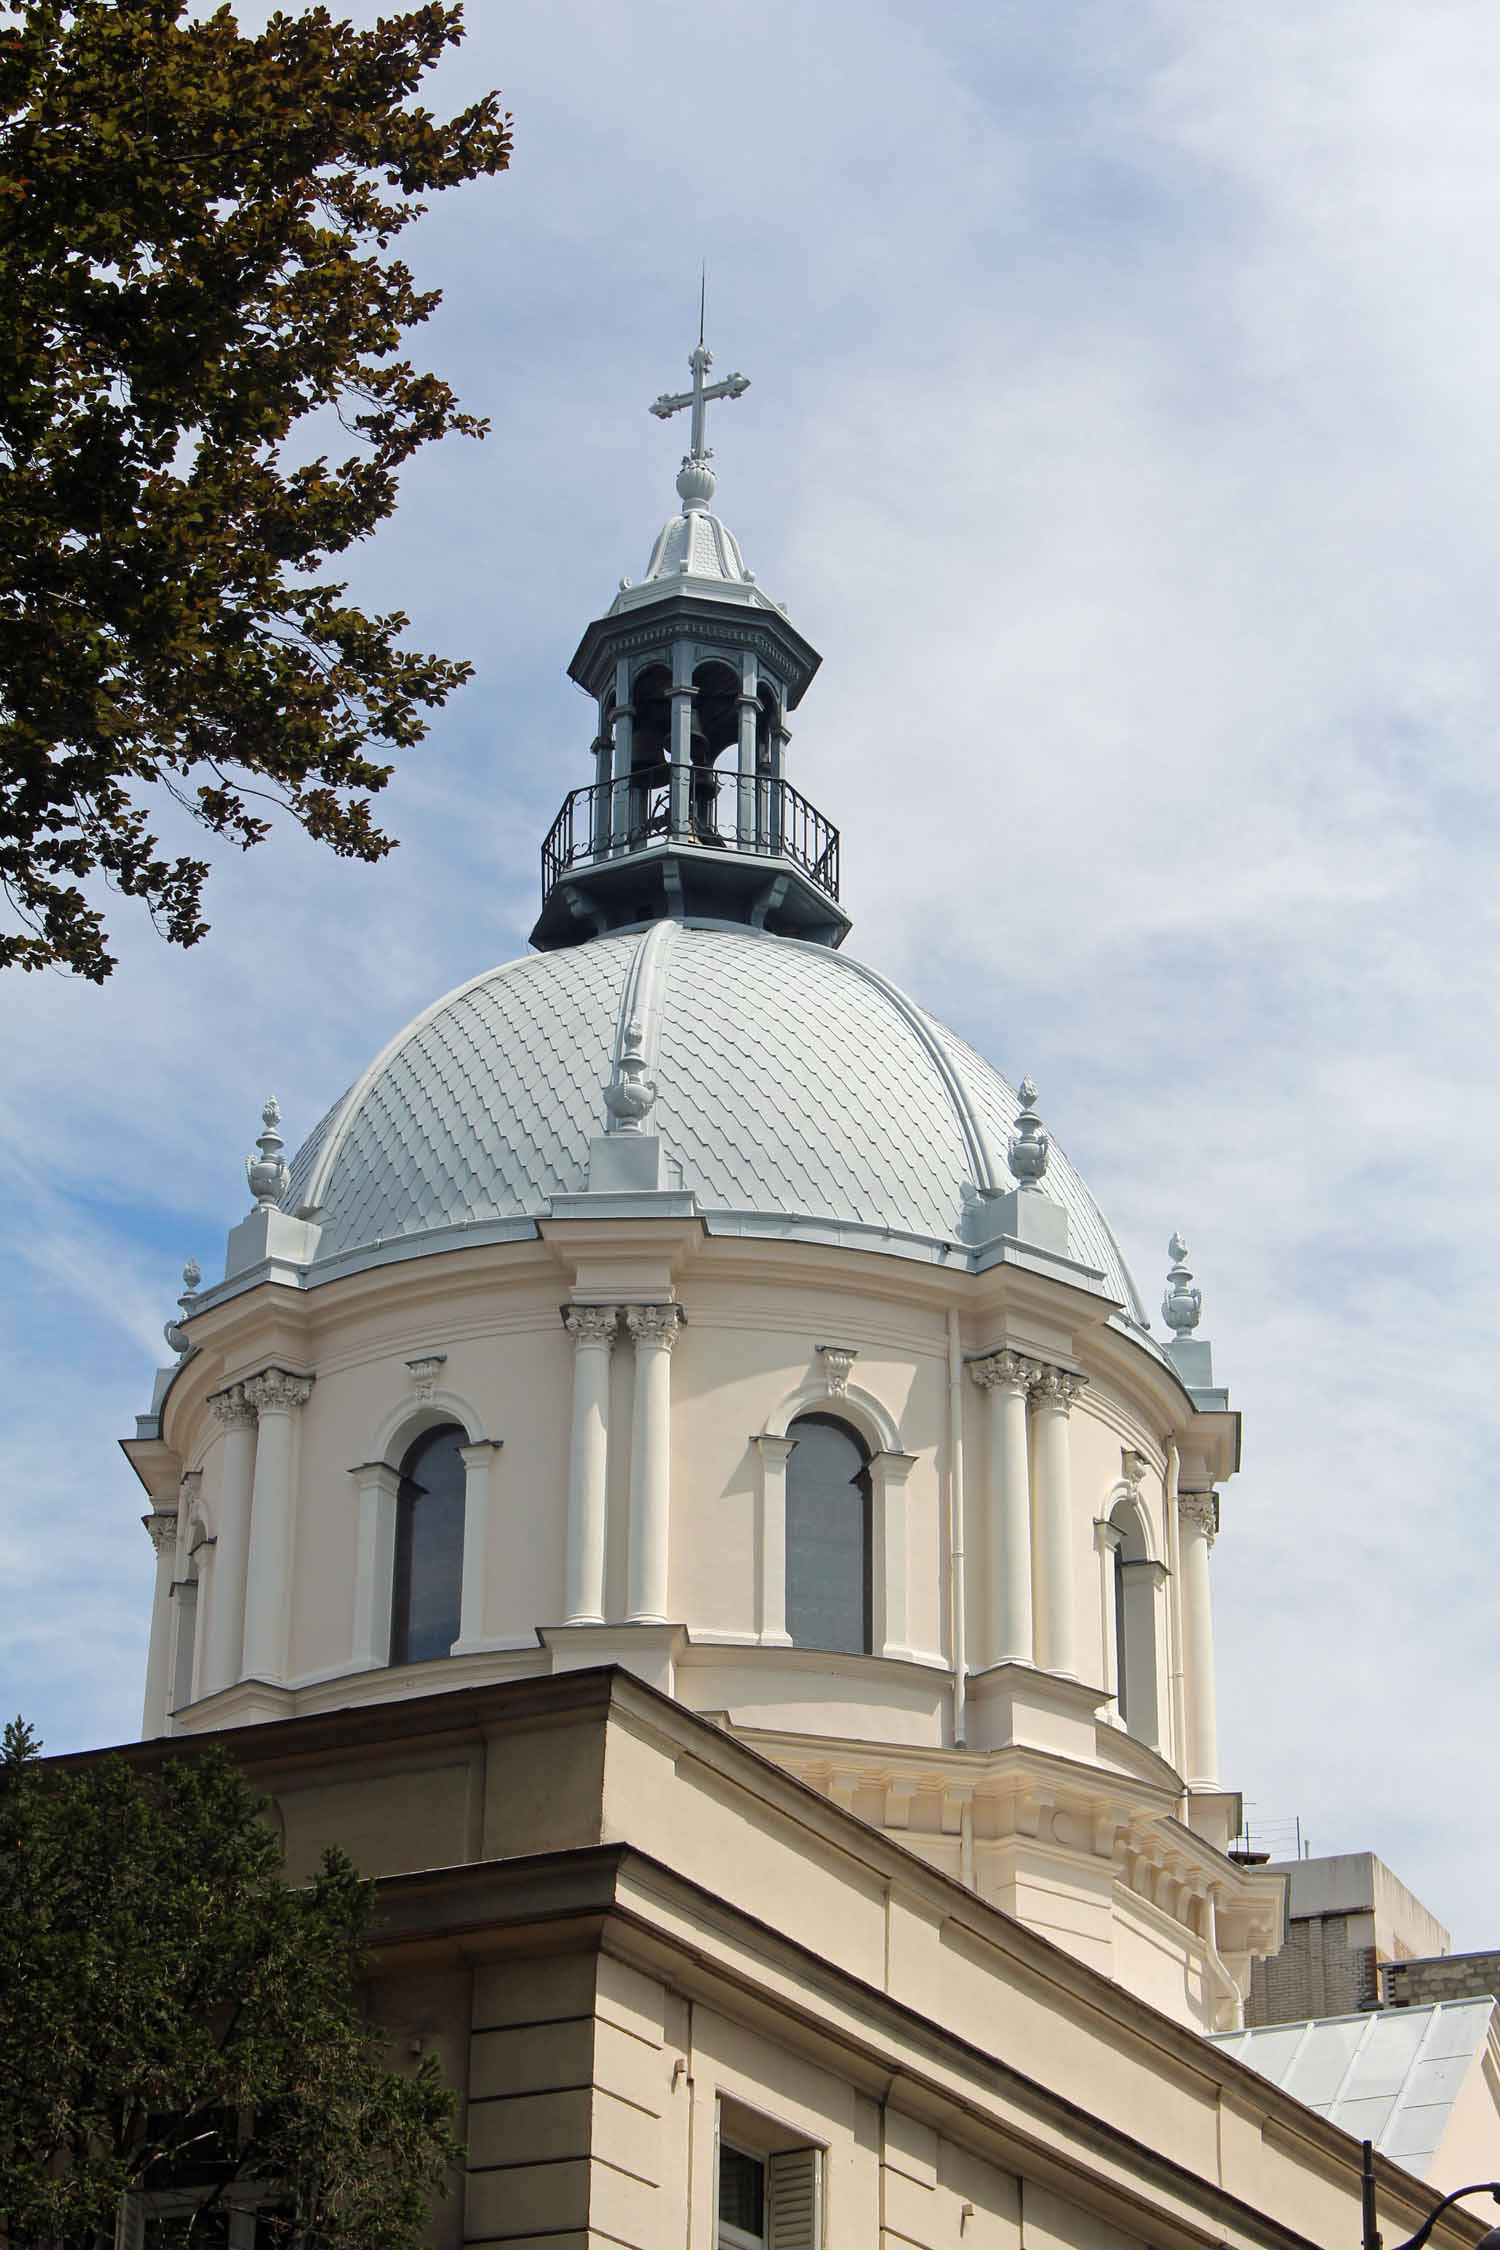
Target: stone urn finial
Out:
[1182,1306]
[1030,1146]
[187,1305]
[630,1095]
[268,1172]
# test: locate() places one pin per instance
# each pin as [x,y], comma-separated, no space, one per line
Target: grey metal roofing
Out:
[1389,2076]
[793,1084]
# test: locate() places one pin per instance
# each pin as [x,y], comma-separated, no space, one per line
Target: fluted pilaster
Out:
[1198,1524]
[655,1329]
[593,1329]
[1053,1392]
[1006,1378]
[224,1626]
[277,1397]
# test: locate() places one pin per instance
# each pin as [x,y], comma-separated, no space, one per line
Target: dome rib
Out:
[643,994]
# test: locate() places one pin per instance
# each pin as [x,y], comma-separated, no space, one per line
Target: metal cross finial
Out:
[700,360]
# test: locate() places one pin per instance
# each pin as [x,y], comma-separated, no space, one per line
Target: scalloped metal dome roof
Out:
[797,1092]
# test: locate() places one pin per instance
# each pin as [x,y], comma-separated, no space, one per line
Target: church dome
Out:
[798,1094]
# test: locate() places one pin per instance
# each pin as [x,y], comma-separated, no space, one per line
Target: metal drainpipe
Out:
[957,1595]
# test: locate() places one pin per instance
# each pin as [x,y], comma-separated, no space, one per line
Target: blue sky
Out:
[1122,430]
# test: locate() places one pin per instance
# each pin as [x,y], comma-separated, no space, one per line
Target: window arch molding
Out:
[889,1468]
[859,1408]
[377,1484]
[413,1418]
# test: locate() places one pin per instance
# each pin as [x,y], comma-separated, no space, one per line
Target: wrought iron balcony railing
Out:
[697,805]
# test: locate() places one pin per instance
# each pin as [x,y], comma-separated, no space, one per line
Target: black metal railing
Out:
[719,810]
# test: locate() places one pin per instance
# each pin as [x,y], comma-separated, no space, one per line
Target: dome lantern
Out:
[693,671]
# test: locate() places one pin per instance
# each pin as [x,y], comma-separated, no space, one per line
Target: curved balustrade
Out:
[691,805]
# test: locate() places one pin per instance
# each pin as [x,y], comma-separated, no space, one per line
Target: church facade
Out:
[678,1479]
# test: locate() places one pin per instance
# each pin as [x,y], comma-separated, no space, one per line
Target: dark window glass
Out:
[1122,1667]
[742,2191]
[429,1548]
[827,1537]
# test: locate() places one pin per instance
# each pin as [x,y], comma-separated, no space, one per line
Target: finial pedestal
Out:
[1027,1215]
[269,1234]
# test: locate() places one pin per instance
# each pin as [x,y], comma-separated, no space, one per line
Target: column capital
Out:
[162,1526]
[772,1448]
[277,1391]
[232,1408]
[1057,1387]
[1005,1371]
[1201,1510]
[592,1325]
[656,1326]
[480,1452]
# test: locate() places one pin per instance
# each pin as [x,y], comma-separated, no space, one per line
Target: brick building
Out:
[1348,1920]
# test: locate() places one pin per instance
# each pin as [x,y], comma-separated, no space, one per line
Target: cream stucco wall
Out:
[1029,1788]
[623,1933]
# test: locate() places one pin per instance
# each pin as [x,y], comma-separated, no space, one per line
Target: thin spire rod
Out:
[702,299]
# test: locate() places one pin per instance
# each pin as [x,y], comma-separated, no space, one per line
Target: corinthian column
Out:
[162,1526]
[1198,1523]
[1054,1391]
[224,1635]
[1005,1378]
[276,1397]
[655,1329]
[592,1328]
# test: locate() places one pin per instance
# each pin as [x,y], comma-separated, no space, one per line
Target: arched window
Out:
[827,1536]
[428,1578]
[1135,1580]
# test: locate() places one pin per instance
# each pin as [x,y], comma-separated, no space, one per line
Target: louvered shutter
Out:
[795,2219]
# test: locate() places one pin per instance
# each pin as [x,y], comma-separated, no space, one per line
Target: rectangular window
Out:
[770,2201]
[177,2220]
[742,2199]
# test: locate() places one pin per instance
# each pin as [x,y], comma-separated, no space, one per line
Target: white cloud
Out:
[1122,430]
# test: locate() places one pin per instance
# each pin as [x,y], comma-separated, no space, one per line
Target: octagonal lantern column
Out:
[1005,1378]
[592,1328]
[1198,1524]
[276,1396]
[223,1628]
[655,1329]
[748,712]
[684,695]
[622,757]
[1053,1392]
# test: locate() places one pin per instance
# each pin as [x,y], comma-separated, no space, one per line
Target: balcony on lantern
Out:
[691,842]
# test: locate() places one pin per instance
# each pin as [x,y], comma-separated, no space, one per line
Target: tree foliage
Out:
[172,2013]
[195,257]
